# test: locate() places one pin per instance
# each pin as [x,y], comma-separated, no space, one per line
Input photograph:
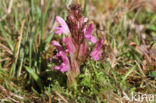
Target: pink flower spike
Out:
[63,28]
[96,53]
[65,66]
[88,33]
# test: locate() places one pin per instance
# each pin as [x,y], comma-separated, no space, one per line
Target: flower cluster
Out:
[77,34]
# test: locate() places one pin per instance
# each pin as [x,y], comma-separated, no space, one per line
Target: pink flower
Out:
[57,45]
[83,49]
[73,49]
[88,33]
[63,28]
[65,66]
[82,21]
[69,44]
[96,53]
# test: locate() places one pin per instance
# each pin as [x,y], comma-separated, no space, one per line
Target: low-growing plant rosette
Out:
[77,33]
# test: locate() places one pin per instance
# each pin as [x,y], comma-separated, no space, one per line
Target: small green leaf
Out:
[152,74]
[49,38]
[35,76]
[85,7]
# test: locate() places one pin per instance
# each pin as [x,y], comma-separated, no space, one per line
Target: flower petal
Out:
[70,45]
[57,45]
[59,30]
[65,66]
[93,39]
[96,53]
[88,33]
[96,56]
[63,26]
[83,49]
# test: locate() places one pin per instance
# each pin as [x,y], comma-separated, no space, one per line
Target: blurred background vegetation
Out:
[128,63]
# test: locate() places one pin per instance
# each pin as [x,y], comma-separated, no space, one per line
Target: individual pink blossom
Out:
[61,55]
[69,44]
[82,21]
[96,53]
[57,45]
[88,33]
[65,66]
[83,49]
[93,39]
[63,28]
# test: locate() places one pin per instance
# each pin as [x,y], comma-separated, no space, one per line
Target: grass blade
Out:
[49,38]
[6,38]
[128,73]
[34,76]
[16,52]
[85,7]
